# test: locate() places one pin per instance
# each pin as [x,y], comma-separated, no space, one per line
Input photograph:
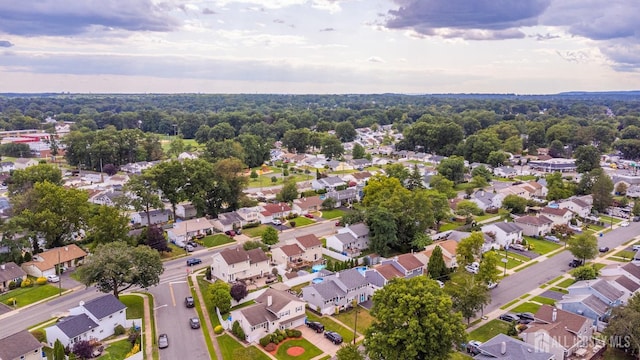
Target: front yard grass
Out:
[329,324]
[544,300]
[302,221]
[348,318]
[29,295]
[332,214]
[449,226]
[231,349]
[175,252]
[135,306]
[216,240]
[117,350]
[489,330]
[310,351]
[204,289]
[527,307]
[625,254]
[566,283]
[542,246]
[255,231]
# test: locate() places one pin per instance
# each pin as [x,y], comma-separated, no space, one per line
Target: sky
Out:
[319,46]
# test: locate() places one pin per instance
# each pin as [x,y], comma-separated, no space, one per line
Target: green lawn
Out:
[507,305]
[216,240]
[566,283]
[175,252]
[332,214]
[608,219]
[489,330]
[204,289]
[542,246]
[625,254]
[544,300]
[116,350]
[459,356]
[29,295]
[329,324]
[348,318]
[310,351]
[302,221]
[449,226]
[135,306]
[265,180]
[231,349]
[255,231]
[560,290]
[527,307]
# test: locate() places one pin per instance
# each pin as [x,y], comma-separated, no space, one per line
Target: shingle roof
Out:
[328,289]
[515,350]
[554,211]
[632,269]
[234,255]
[351,278]
[257,314]
[345,238]
[359,229]
[627,283]
[10,271]
[332,180]
[388,271]
[508,227]
[591,301]
[279,300]
[409,262]
[57,255]
[569,320]
[305,203]
[533,220]
[291,250]
[607,290]
[309,241]
[256,256]
[18,344]
[75,325]
[104,306]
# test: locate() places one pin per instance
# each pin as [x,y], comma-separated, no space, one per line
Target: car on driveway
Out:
[308,216]
[552,238]
[525,317]
[193,261]
[509,317]
[194,322]
[188,302]
[53,278]
[334,337]
[624,224]
[575,263]
[473,347]
[276,222]
[231,233]
[189,248]
[163,341]
[603,249]
[472,268]
[316,326]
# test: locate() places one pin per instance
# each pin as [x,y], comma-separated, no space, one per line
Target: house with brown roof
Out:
[271,212]
[10,272]
[449,250]
[558,332]
[557,215]
[307,205]
[534,225]
[21,345]
[408,265]
[287,254]
[359,177]
[44,263]
[576,205]
[236,264]
[379,276]
[182,231]
[303,250]
[273,310]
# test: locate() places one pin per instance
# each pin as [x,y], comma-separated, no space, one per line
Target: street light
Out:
[505,259]
[59,277]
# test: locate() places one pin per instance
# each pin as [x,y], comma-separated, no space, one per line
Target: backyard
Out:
[348,318]
[310,351]
[489,330]
[231,349]
[332,214]
[116,350]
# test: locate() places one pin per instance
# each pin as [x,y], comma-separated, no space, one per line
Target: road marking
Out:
[177,282]
[173,298]
[160,306]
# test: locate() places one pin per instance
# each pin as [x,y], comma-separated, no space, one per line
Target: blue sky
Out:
[319,46]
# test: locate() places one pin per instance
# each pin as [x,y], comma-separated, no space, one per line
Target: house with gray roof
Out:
[94,319]
[601,289]
[328,183]
[504,233]
[504,347]
[350,240]
[273,310]
[589,306]
[487,199]
[156,216]
[534,225]
[343,197]
[505,171]
[21,345]
[337,292]
[10,272]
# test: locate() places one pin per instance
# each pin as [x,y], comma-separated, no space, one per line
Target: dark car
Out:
[575,263]
[308,216]
[525,317]
[188,302]
[231,233]
[509,317]
[193,261]
[603,249]
[334,337]
[163,341]
[316,326]
[194,322]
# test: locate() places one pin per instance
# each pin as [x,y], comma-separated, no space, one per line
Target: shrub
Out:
[134,350]
[13,285]
[264,341]
[236,329]
[40,335]
[281,338]
[292,224]
[270,347]
[26,283]
[296,333]
[119,330]
[41,280]
[288,332]
[218,329]
[10,301]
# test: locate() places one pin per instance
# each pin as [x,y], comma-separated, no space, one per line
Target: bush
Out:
[270,347]
[236,329]
[218,329]
[41,280]
[40,335]
[296,333]
[10,301]
[119,330]
[281,338]
[292,224]
[13,285]
[26,283]
[264,341]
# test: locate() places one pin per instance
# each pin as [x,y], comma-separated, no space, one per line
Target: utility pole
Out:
[59,273]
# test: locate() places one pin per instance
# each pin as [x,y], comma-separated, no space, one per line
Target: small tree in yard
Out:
[221,297]
[329,203]
[83,349]
[585,273]
[110,169]
[583,246]
[236,329]
[349,352]
[155,239]
[254,175]
[58,351]
[270,236]
[238,291]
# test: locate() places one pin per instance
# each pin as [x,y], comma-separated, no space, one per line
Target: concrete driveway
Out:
[319,340]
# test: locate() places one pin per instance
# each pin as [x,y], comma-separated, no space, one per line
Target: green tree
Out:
[332,147]
[169,178]
[420,241]
[382,231]
[601,191]
[345,131]
[145,193]
[416,306]
[437,269]
[470,248]
[515,204]
[116,266]
[329,203]
[587,158]
[468,294]
[358,151]
[482,171]
[108,225]
[556,148]
[153,236]
[625,324]
[479,182]
[23,180]
[176,147]
[636,208]
[441,209]
[58,350]
[487,272]
[468,208]
[414,180]
[452,168]
[621,189]
[585,272]
[270,236]
[558,188]
[513,145]
[583,246]
[497,158]
[349,352]
[296,140]
[220,296]
[254,174]
[289,191]
[443,186]
[398,171]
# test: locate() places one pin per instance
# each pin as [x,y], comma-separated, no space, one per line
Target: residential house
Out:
[227,221]
[343,197]
[44,263]
[94,319]
[449,250]
[271,212]
[360,178]
[337,292]
[10,272]
[601,288]
[303,250]
[557,215]
[157,216]
[577,206]
[328,183]
[537,190]
[307,205]
[457,236]
[360,164]
[487,199]
[589,306]
[23,163]
[187,155]
[504,347]
[21,346]
[517,190]
[273,310]
[7,166]
[350,240]
[558,332]
[379,276]
[505,233]
[109,197]
[183,231]
[311,245]
[534,225]
[505,171]
[630,270]
[624,284]
[186,211]
[408,265]
[236,264]
[288,254]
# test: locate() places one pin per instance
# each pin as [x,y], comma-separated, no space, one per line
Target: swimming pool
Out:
[318,267]
[317,280]
[361,269]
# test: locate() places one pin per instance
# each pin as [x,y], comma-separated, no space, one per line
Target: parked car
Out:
[189,248]
[624,224]
[316,326]
[334,337]
[473,347]
[276,222]
[163,341]
[188,302]
[603,249]
[472,268]
[308,216]
[192,244]
[193,261]
[575,263]
[53,278]
[525,317]
[492,285]
[519,247]
[635,247]
[231,233]
[552,238]
[194,322]
[509,317]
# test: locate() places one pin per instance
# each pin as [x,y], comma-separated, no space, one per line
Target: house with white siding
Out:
[559,216]
[337,292]
[534,225]
[237,264]
[505,233]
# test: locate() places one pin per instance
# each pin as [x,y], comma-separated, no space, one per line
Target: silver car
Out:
[163,341]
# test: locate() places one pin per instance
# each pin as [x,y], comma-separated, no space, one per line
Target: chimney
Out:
[269,300]
[338,275]
[503,348]
[2,267]
[66,248]
[554,315]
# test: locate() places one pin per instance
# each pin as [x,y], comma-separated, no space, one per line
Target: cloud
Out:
[327,29]
[375,59]
[278,21]
[70,17]
[473,20]
[626,56]
[547,36]
[207,11]
[5,43]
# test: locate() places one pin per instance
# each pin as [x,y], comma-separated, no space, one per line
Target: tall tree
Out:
[452,168]
[414,181]
[437,269]
[625,326]
[220,296]
[116,266]
[145,194]
[488,273]
[358,151]
[382,231]
[270,236]
[345,131]
[108,225]
[22,180]
[470,248]
[289,191]
[601,191]
[468,294]
[169,178]
[587,158]
[332,147]
[515,204]
[350,352]
[583,246]
[416,306]
[153,237]
[398,171]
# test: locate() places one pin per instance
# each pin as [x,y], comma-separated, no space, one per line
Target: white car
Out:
[53,278]
[635,247]
[276,222]
[440,283]
[624,224]
[492,285]
[472,268]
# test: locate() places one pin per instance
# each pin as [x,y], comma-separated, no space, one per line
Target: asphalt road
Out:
[523,281]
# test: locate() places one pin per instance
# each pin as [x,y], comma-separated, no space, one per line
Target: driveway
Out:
[318,340]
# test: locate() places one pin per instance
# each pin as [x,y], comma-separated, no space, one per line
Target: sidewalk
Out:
[208,326]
